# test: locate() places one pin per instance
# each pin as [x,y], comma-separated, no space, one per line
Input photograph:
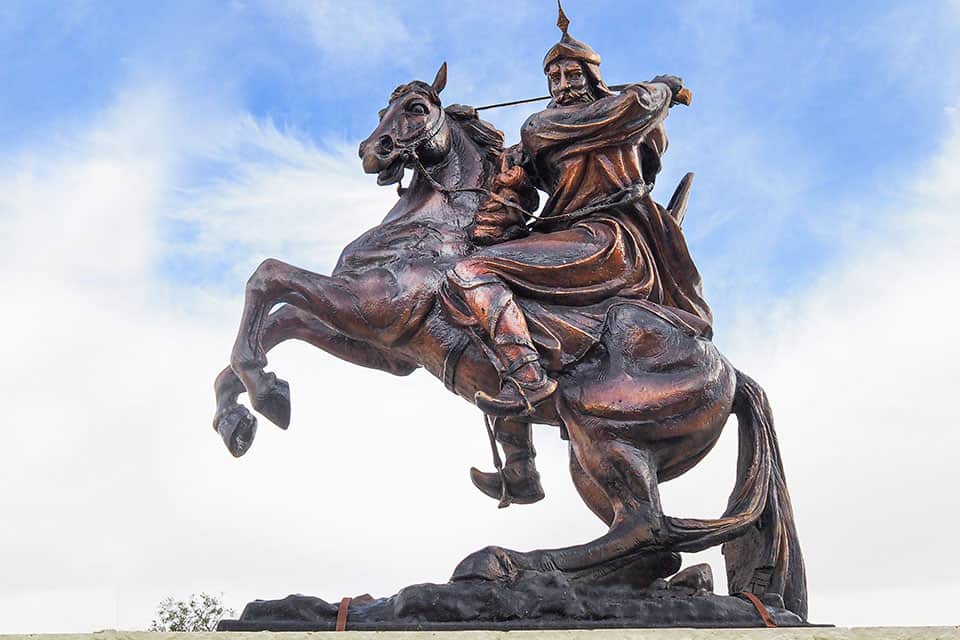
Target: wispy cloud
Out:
[276,193]
[114,375]
[860,369]
[362,33]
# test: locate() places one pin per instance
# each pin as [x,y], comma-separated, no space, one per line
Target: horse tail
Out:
[758,532]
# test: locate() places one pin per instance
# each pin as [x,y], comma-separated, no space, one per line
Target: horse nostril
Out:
[384,145]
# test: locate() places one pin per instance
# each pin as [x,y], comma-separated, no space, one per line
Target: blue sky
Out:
[151,154]
[828,101]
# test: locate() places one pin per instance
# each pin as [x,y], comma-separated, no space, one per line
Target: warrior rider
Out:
[600,235]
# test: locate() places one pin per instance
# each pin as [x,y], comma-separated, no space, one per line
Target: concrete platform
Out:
[819,633]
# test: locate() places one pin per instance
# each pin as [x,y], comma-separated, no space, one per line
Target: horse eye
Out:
[418,109]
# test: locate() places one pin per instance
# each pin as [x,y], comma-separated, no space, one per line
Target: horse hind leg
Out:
[590,492]
[626,476]
[632,571]
[618,481]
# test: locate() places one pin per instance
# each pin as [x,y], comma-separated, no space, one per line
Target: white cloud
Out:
[280,194]
[100,206]
[119,484]
[861,369]
[362,32]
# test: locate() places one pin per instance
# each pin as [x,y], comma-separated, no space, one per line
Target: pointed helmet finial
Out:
[563,22]
[569,47]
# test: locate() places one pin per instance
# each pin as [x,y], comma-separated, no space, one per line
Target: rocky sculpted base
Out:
[534,601]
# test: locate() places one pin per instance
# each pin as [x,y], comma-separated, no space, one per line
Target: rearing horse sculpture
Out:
[641,406]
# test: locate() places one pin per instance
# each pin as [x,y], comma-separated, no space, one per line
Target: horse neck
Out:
[462,168]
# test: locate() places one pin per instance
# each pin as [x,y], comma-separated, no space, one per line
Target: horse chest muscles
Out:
[410,240]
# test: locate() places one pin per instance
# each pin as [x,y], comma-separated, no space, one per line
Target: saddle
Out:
[563,334]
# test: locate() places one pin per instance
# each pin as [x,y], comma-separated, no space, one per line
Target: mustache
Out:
[574,95]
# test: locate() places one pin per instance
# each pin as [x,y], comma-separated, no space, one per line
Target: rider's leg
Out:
[497,314]
[522,480]
[584,264]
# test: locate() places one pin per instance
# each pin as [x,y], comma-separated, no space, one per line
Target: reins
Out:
[408,150]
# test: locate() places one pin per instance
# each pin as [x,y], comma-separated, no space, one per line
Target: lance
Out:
[684,96]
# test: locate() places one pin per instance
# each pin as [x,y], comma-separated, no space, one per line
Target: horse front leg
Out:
[234,422]
[330,300]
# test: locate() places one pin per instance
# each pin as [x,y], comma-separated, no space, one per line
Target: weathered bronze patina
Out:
[588,316]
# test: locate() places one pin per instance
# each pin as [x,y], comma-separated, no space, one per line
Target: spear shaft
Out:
[683,97]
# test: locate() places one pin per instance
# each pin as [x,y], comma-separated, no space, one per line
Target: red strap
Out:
[762,610]
[342,614]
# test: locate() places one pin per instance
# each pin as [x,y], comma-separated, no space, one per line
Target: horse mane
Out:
[482,133]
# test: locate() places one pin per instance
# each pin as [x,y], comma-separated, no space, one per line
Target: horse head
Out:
[412,127]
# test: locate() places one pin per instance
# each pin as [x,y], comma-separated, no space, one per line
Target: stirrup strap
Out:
[491,426]
[520,363]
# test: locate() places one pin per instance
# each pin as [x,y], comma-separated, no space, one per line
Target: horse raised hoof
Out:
[490,563]
[273,403]
[237,426]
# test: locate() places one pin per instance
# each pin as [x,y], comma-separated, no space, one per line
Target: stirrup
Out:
[524,400]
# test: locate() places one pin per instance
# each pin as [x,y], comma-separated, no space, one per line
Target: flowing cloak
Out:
[585,153]
[573,268]
[582,154]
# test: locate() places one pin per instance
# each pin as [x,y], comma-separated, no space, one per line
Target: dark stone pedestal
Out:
[534,601]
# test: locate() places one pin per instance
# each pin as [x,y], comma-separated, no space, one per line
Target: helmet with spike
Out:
[569,47]
[572,49]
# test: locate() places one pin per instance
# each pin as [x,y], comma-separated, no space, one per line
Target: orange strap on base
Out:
[342,614]
[761,609]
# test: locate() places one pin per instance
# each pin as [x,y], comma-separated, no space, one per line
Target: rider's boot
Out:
[520,481]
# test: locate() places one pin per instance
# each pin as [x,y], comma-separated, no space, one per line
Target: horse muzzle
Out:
[382,156]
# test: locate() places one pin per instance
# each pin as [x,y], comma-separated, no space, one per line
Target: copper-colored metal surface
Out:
[589,317]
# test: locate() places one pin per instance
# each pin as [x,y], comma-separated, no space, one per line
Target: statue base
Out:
[547,600]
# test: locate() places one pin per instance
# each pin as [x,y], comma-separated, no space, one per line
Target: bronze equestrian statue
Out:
[588,316]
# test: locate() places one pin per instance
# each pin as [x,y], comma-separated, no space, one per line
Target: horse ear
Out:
[441,80]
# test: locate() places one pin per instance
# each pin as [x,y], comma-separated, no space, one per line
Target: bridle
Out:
[411,144]
[408,152]
[408,149]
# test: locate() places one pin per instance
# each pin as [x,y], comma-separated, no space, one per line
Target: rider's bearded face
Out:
[568,82]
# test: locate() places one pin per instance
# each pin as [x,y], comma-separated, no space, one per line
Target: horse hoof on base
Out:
[490,563]
[698,578]
[274,403]
[237,426]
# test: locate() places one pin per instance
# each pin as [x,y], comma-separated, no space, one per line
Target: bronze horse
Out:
[640,407]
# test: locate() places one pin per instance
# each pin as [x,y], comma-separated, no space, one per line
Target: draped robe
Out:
[572,267]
